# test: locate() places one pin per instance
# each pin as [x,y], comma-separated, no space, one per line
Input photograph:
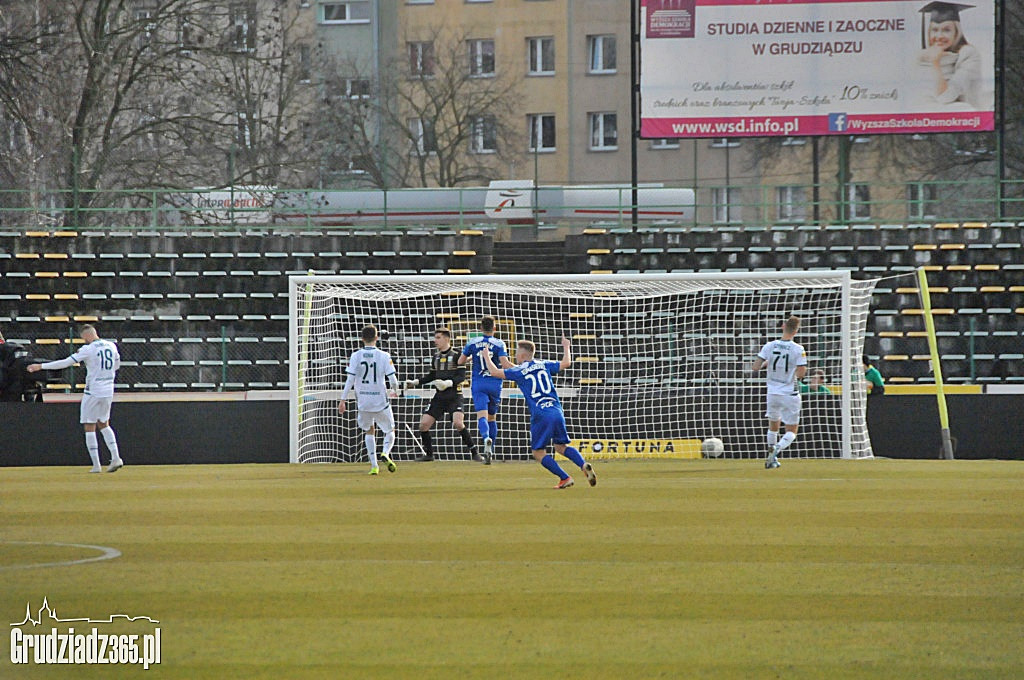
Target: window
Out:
[305,62]
[145,28]
[421,59]
[794,141]
[357,88]
[351,12]
[790,204]
[481,58]
[859,201]
[186,34]
[603,131]
[724,143]
[601,53]
[485,135]
[245,125]
[542,132]
[726,204]
[922,200]
[243,26]
[16,135]
[542,56]
[664,143]
[422,133]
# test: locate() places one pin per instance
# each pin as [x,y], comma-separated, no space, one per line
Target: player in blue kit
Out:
[547,420]
[485,389]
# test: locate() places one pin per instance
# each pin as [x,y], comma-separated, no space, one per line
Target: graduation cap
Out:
[940,12]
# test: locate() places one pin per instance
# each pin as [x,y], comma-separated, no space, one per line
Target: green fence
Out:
[708,204]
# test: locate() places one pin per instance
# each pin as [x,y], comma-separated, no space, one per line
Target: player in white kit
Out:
[786,364]
[101,360]
[369,370]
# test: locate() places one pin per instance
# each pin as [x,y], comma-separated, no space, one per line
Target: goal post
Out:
[660,361]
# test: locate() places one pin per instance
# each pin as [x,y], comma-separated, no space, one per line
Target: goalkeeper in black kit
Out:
[445,376]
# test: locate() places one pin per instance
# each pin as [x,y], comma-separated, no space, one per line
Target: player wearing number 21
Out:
[101,360]
[786,364]
[369,369]
[547,421]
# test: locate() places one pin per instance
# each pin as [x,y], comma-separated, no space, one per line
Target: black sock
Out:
[428,442]
[467,440]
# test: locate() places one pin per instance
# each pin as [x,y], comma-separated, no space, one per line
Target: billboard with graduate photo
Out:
[761,68]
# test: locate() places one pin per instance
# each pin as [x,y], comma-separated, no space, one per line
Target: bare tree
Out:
[258,94]
[439,114]
[123,95]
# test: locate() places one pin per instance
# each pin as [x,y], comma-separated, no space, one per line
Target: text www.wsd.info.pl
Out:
[784,126]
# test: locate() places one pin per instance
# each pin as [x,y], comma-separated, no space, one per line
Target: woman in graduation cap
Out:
[955,64]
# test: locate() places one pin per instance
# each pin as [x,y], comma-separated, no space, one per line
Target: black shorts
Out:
[442,404]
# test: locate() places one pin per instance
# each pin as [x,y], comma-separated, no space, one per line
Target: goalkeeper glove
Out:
[411,383]
[441,385]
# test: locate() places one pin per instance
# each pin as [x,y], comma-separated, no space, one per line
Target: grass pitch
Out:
[675,569]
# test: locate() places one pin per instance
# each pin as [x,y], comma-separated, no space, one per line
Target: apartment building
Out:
[571,61]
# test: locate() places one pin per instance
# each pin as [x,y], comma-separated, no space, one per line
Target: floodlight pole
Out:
[1001,107]
[634,105]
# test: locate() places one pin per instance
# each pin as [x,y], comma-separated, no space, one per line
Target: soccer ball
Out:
[712,447]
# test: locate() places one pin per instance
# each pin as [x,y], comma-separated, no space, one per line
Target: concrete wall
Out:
[257,431]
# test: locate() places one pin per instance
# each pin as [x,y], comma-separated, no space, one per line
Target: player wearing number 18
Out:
[101,360]
[786,364]
[547,421]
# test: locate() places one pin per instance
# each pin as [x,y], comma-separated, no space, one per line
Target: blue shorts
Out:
[548,429]
[486,397]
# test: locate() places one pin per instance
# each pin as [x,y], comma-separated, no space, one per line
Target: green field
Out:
[674,569]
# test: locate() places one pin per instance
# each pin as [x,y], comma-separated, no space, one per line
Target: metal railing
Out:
[709,204]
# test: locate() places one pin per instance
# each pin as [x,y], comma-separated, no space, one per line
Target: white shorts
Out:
[385,420]
[784,407]
[95,409]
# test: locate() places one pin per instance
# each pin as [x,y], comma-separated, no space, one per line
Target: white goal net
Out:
[661,361]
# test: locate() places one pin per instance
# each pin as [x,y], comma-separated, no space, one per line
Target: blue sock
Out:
[574,455]
[551,466]
[485,431]
[492,427]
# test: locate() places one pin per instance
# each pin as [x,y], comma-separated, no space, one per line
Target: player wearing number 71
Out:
[547,421]
[101,360]
[786,364]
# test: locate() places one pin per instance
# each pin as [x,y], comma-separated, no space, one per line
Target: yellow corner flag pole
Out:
[933,345]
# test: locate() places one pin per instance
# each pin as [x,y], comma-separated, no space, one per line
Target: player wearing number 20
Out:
[101,360]
[547,420]
[369,370]
[786,364]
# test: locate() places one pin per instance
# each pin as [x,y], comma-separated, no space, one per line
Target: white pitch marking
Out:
[107,554]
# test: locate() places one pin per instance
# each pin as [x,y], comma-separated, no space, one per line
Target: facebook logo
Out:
[836,122]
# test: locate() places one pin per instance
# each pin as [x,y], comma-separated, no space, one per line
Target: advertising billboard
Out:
[761,68]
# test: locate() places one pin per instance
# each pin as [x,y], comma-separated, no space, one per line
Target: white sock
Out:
[371,448]
[389,441]
[786,440]
[773,437]
[93,444]
[111,439]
